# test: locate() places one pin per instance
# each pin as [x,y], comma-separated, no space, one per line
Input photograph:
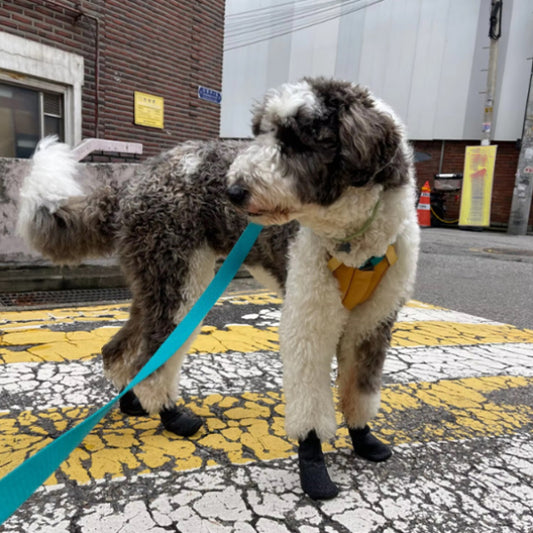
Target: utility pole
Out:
[495,32]
[523,186]
[479,164]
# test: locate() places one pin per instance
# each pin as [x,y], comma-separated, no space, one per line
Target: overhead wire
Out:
[267,21]
[301,6]
[272,7]
[271,19]
[253,26]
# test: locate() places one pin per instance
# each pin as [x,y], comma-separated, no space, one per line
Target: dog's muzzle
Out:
[238,195]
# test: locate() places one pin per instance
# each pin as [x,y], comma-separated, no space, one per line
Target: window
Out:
[27,115]
[40,94]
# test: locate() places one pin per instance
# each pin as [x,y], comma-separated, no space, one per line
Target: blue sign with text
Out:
[209,94]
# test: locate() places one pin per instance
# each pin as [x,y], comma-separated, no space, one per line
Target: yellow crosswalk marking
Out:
[249,427]
[42,344]
[13,320]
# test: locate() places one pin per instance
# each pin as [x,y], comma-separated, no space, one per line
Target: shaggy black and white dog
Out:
[330,174]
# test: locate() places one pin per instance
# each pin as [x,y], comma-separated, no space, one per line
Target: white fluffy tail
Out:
[50,183]
[56,217]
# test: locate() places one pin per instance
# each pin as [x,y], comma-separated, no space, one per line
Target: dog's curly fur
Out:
[325,154]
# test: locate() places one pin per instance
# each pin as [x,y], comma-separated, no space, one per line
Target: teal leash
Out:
[19,484]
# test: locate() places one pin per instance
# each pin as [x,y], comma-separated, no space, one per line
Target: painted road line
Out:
[79,332]
[417,312]
[66,384]
[79,383]
[39,345]
[421,488]
[249,427]
[421,363]
[266,306]
[12,320]
[414,311]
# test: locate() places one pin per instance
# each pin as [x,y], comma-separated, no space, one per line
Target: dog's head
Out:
[315,140]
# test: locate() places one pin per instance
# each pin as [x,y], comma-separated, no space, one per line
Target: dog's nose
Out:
[237,194]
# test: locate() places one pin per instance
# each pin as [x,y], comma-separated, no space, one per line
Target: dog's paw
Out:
[316,482]
[180,422]
[367,446]
[130,405]
[314,476]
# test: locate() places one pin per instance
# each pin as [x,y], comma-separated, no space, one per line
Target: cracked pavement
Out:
[456,408]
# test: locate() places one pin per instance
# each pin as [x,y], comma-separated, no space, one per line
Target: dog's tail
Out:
[56,217]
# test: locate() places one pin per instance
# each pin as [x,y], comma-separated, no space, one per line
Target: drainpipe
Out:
[495,32]
[79,12]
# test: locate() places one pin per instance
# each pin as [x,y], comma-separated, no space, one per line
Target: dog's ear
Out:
[306,132]
[258,111]
[298,127]
[369,140]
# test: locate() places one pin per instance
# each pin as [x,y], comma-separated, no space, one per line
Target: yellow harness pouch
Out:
[358,284]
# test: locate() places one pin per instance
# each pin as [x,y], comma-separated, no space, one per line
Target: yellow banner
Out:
[476,194]
[148,110]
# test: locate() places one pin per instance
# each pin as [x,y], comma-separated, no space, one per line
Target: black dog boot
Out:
[367,446]
[180,421]
[130,405]
[314,476]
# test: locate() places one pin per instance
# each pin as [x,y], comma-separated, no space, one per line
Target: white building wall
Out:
[426,74]
[427,58]
[515,62]
[461,28]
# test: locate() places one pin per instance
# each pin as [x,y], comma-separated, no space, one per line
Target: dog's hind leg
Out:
[165,288]
[360,366]
[117,355]
[173,293]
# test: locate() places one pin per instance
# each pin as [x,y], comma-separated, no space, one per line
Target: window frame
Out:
[37,66]
[40,88]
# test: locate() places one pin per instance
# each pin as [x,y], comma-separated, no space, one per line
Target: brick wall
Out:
[161,48]
[453,161]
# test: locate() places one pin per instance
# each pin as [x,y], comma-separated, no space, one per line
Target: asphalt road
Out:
[456,410]
[484,273]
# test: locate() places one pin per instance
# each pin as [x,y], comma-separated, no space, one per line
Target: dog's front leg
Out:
[360,365]
[311,324]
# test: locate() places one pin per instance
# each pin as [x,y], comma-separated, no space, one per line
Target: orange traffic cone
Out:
[424,207]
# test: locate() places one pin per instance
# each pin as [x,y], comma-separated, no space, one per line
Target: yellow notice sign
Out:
[148,110]
[476,194]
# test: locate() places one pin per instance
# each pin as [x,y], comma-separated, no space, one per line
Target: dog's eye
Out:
[266,126]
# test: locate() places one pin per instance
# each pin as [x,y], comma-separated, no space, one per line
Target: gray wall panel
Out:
[427,58]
